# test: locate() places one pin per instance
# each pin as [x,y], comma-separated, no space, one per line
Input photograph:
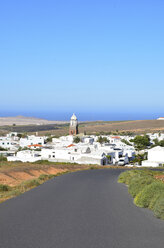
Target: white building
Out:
[161,118]
[155,157]
[8,143]
[25,156]
[32,140]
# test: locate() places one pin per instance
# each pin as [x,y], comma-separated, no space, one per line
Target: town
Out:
[124,150]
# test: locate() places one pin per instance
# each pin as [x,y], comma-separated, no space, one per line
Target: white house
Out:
[25,156]
[155,157]
[32,140]
[161,118]
[8,143]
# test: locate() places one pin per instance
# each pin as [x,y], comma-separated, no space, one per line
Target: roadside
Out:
[18,177]
[147,189]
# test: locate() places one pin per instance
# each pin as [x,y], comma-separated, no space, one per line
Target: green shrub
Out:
[93,168]
[154,200]
[126,176]
[29,184]
[51,176]
[2,158]
[159,207]
[144,198]
[138,183]
[14,192]
[4,187]
[43,177]
[42,162]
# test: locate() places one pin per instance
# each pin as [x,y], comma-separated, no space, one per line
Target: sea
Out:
[83,116]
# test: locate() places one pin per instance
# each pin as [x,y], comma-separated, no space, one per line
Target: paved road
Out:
[87,209]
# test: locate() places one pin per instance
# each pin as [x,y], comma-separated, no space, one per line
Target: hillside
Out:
[131,126]
[31,125]
[22,120]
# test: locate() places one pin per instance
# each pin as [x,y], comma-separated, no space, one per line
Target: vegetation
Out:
[2,158]
[4,187]
[148,192]
[109,158]
[22,135]
[76,139]
[141,142]
[139,158]
[126,142]
[102,140]
[3,149]
[158,143]
[50,137]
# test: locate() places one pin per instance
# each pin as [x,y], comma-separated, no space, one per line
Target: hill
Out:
[22,120]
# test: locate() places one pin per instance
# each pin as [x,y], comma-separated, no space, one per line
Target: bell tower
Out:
[73,128]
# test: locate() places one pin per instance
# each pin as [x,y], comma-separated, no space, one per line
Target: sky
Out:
[84,56]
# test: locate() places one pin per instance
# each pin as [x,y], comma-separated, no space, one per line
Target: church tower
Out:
[73,128]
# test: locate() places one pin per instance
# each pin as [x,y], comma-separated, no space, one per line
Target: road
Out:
[87,209]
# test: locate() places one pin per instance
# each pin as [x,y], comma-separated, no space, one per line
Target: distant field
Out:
[138,126]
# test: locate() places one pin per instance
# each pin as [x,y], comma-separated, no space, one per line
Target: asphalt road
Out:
[87,209]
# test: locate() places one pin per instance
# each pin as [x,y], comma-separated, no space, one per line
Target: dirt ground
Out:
[13,174]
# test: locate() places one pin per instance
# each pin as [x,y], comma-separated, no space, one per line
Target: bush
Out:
[144,198]
[159,207]
[29,184]
[154,200]
[76,139]
[138,183]
[42,162]
[148,191]
[4,187]
[126,177]
[44,177]
[2,158]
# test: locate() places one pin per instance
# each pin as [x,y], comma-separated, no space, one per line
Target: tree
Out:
[139,158]
[3,149]
[141,142]
[126,142]
[109,158]
[76,139]
[158,143]
[2,158]
[102,140]
[22,135]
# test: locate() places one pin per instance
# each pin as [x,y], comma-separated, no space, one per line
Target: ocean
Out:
[83,116]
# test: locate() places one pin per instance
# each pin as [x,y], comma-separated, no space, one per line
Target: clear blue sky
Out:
[82,56]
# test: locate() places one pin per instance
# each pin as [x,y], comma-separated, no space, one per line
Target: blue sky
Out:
[82,56]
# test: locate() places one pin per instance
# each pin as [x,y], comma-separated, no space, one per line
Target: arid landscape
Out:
[22,120]
[45,127]
[17,177]
[13,174]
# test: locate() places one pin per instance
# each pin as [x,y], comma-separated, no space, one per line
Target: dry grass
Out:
[138,126]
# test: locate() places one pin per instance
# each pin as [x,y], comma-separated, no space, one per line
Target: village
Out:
[85,149]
